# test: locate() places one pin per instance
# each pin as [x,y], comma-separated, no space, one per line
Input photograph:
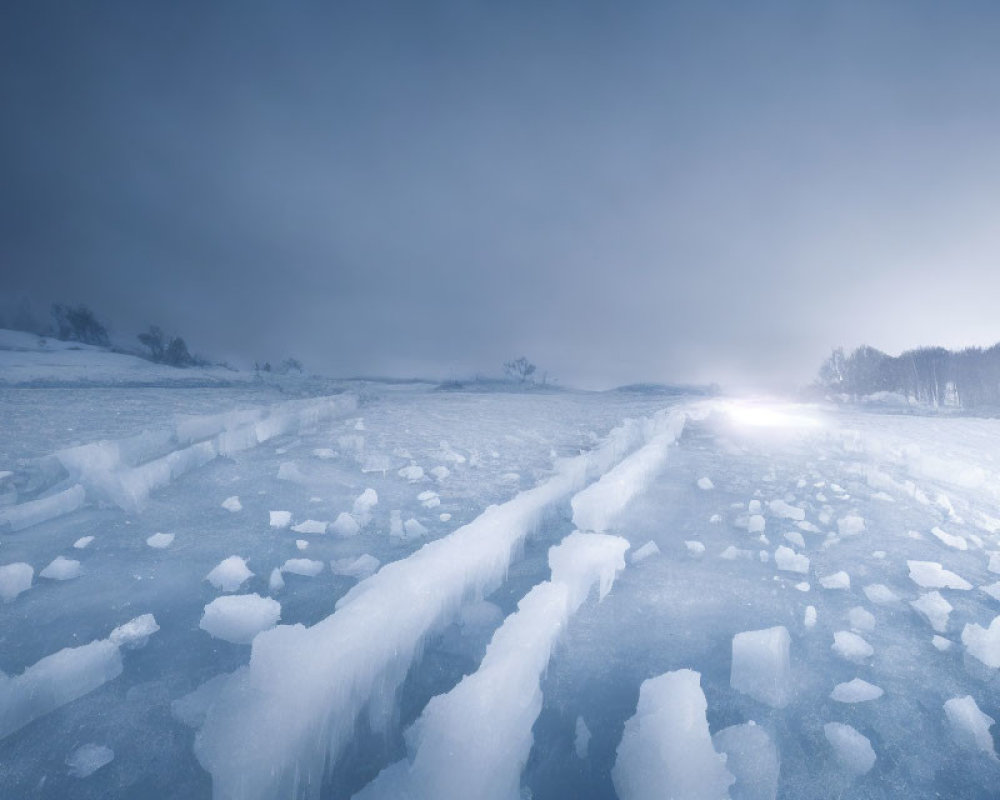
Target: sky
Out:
[621,192]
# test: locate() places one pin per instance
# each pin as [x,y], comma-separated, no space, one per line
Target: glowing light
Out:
[758,415]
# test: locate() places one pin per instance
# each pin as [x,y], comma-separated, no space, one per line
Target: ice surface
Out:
[644,552]
[852,647]
[345,525]
[232,504]
[581,738]
[851,525]
[14,579]
[970,726]
[983,643]
[752,758]
[705,483]
[86,760]
[780,508]
[61,569]
[159,541]
[839,580]
[238,618]
[855,691]
[666,749]
[229,574]
[935,609]
[931,575]
[852,749]
[790,561]
[307,567]
[761,665]
[281,519]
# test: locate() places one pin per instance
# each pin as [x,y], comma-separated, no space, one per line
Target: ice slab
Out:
[238,618]
[851,748]
[761,665]
[229,574]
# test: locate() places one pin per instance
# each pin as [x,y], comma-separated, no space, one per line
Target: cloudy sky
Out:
[620,191]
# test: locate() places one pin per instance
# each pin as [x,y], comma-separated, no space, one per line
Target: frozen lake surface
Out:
[396,592]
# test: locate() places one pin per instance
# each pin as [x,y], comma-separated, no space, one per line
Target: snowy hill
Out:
[28,359]
[461,594]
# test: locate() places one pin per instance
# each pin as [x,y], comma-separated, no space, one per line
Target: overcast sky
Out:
[620,191]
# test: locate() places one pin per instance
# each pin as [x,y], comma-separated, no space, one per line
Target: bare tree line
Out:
[933,375]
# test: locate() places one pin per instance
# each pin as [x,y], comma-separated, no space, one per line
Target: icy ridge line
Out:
[485,723]
[125,472]
[279,723]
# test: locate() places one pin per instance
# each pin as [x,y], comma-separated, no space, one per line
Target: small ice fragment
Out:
[839,580]
[160,541]
[935,609]
[232,504]
[809,618]
[360,567]
[303,566]
[83,542]
[732,553]
[644,552]
[786,511]
[280,519]
[856,691]
[851,525]
[879,554]
[694,548]
[310,526]
[238,618]
[61,569]
[796,538]
[880,594]
[753,506]
[229,574]
[705,483]
[970,726]
[276,582]
[940,643]
[861,619]
[324,453]
[412,473]
[14,579]
[853,750]
[852,647]
[440,473]
[134,634]
[345,525]
[396,525]
[931,575]
[803,586]
[788,560]
[715,519]
[86,760]
[756,524]
[753,760]
[414,529]
[445,517]
[952,540]
[761,665]
[808,527]
[983,643]
[302,544]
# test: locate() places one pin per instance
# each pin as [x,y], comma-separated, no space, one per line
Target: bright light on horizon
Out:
[762,415]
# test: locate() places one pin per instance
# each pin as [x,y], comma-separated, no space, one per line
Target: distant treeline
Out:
[931,375]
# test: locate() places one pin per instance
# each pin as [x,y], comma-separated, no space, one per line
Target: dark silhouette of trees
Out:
[78,324]
[519,369]
[968,378]
[155,341]
[173,352]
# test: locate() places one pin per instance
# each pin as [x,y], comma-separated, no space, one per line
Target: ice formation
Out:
[238,618]
[761,665]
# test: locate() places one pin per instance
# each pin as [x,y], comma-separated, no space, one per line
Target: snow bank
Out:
[277,725]
[60,678]
[666,750]
[449,756]
[595,508]
[761,666]
[238,618]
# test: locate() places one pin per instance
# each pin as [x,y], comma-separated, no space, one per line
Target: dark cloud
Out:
[717,191]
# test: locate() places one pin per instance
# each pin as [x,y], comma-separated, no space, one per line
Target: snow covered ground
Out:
[225,592]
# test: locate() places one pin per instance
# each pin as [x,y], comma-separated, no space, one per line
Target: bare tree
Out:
[519,369]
